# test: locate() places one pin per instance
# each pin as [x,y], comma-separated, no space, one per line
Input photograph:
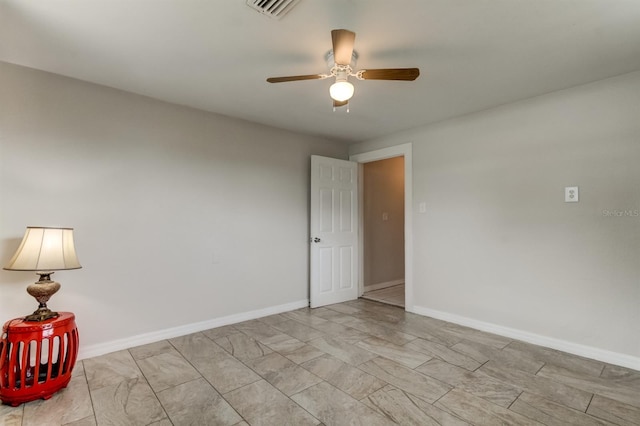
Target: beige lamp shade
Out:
[45,249]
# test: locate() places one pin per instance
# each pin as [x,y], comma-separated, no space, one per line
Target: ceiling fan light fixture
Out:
[341,90]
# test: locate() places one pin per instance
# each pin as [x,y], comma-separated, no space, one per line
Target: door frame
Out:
[404,150]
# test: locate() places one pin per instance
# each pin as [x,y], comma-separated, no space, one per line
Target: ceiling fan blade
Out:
[406,74]
[343,41]
[338,104]
[296,78]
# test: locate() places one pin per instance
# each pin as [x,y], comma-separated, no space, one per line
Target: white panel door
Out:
[334,231]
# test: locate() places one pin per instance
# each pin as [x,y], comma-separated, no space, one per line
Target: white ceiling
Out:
[216,54]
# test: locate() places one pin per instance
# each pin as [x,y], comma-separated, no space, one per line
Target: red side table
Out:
[36,358]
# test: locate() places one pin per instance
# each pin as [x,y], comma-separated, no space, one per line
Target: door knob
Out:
[316,240]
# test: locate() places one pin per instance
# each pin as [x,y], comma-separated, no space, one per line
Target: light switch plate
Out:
[571,194]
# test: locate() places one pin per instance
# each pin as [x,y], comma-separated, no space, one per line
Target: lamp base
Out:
[42,290]
[41,314]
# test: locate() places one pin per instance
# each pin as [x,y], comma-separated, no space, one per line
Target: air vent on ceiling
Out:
[273,8]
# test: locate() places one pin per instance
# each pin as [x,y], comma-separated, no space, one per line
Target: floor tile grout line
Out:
[602,370]
[86,379]
[589,404]
[263,378]
[207,380]
[514,401]
[155,394]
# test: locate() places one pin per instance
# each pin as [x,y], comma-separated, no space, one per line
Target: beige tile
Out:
[483,353]
[195,346]
[298,330]
[286,346]
[347,334]
[551,414]
[163,422]
[65,406]
[87,421]
[261,404]
[166,370]
[273,319]
[429,329]
[406,379]
[130,402]
[343,350]
[343,308]
[345,377]
[222,370]
[11,416]
[461,333]
[334,407]
[157,348]
[218,332]
[197,403]
[475,383]
[558,392]
[331,315]
[391,295]
[306,316]
[110,369]
[445,372]
[242,346]
[478,336]
[382,332]
[567,361]
[436,350]
[614,411]
[478,411]
[630,377]
[406,409]
[404,355]
[283,373]
[302,354]
[262,332]
[78,369]
[380,319]
[617,389]
[379,310]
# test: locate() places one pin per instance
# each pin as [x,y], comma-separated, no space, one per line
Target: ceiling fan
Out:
[341,61]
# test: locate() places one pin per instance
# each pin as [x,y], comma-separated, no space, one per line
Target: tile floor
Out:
[354,363]
[391,295]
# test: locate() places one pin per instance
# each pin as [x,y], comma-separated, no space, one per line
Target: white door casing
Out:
[404,150]
[334,231]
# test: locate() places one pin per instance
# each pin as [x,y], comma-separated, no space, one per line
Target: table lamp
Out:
[44,250]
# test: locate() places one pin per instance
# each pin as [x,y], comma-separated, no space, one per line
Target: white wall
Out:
[498,247]
[180,216]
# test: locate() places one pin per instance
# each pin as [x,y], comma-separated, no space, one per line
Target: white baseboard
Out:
[537,339]
[386,284]
[169,333]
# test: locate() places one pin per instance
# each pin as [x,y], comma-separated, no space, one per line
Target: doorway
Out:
[403,151]
[383,230]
